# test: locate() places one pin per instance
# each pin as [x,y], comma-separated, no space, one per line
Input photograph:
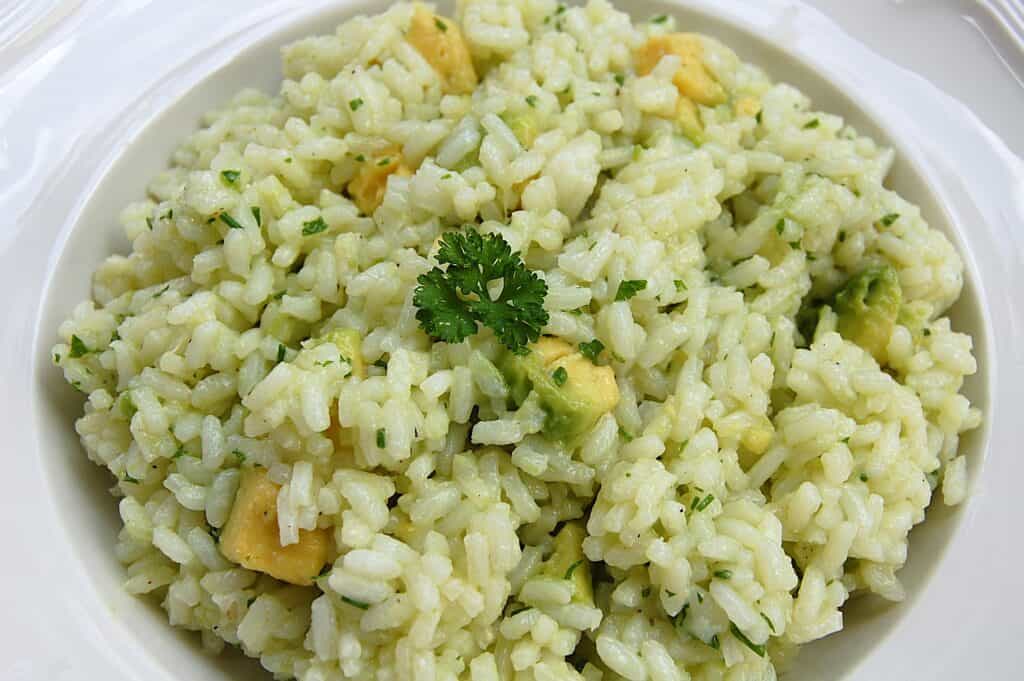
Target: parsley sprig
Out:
[454,300]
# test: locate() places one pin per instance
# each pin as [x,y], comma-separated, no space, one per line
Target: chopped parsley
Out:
[572,568]
[560,9]
[722,574]
[360,158]
[592,349]
[842,236]
[149,222]
[240,455]
[382,438]
[354,104]
[700,505]
[757,117]
[230,221]
[78,348]
[313,227]
[758,649]
[531,100]
[257,215]
[441,26]
[384,161]
[659,19]
[169,214]
[453,301]
[714,643]
[230,176]
[680,616]
[353,602]
[446,176]
[810,125]
[625,434]
[179,452]
[560,376]
[280,353]
[645,592]
[56,358]
[288,160]
[864,477]
[620,79]
[680,285]
[629,288]
[767,619]
[129,479]
[887,220]
[780,225]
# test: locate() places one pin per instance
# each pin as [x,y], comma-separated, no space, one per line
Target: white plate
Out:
[81,131]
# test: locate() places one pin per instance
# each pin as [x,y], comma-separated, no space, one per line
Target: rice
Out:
[755,471]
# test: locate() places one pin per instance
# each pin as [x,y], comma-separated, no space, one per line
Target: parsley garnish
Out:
[757,117]
[56,358]
[78,348]
[722,574]
[572,568]
[179,452]
[629,288]
[864,477]
[230,221]
[758,649]
[230,176]
[149,222]
[645,592]
[240,455]
[680,285]
[887,220]
[592,349]
[446,176]
[681,616]
[620,79]
[767,619]
[625,435]
[660,19]
[169,214]
[810,125]
[560,376]
[441,26]
[382,438]
[280,353]
[127,478]
[383,162]
[256,214]
[531,100]
[354,602]
[780,225]
[714,642]
[453,301]
[354,104]
[313,227]
[361,158]
[842,236]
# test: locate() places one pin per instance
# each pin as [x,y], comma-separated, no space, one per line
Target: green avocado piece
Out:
[573,392]
[867,308]
[350,343]
[568,562]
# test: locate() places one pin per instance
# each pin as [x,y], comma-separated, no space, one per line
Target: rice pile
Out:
[749,479]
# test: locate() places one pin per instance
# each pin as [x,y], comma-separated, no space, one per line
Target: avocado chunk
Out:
[523,124]
[573,391]
[867,308]
[568,562]
[350,345]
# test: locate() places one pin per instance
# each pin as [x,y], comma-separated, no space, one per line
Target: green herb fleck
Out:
[313,227]
[78,348]
[714,642]
[230,176]
[560,376]
[531,100]
[560,9]
[592,349]
[384,161]
[280,353]
[257,215]
[240,455]
[360,158]
[453,301]
[149,222]
[169,214]
[56,358]
[757,117]
[446,176]
[703,503]
[680,285]
[722,574]
[620,79]
[382,363]
[780,226]
[179,452]
[353,602]
[659,19]
[810,125]
[441,26]
[625,434]
[927,332]
[887,220]
[278,295]
[288,160]
[680,616]
[382,438]
[864,477]
[645,592]
[572,568]
[230,221]
[767,619]
[629,288]
[127,478]
[842,236]
[758,649]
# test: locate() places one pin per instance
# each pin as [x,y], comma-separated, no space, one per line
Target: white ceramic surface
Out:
[81,129]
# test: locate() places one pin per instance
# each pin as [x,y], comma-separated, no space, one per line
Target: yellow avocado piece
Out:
[440,42]
[350,344]
[371,180]
[568,562]
[573,391]
[693,79]
[251,539]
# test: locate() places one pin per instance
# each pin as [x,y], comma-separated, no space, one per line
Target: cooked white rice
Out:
[748,482]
